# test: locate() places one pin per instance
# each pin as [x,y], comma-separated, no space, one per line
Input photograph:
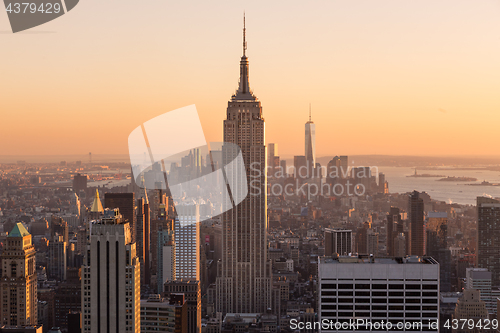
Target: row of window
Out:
[379,293]
[379,300]
[378,286]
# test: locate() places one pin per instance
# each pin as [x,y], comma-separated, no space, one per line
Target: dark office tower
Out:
[283,170]
[57,264]
[416,217]
[244,280]
[125,202]
[310,144]
[488,236]
[79,183]
[192,294]
[338,241]
[437,246]
[143,237]
[333,171]
[18,284]
[74,322]
[59,227]
[301,168]
[394,227]
[361,238]
[68,298]
[163,222]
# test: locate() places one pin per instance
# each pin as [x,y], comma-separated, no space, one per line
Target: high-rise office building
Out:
[162,222]
[399,245]
[187,242]
[396,233]
[79,183]
[68,298]
[416,216]
[125,202]
[143,237]
[244,280]
[161,315]
[310,144]
[18,284]
[338,241]
[283,171]
[56,268]
[111,278]
[480,279]
[301,168]
[488,236]
[166,258]
[192,294]
[401,290]
[360,238]
[436,228]
[470,307]
[372,242]
[272,160]
[59,227]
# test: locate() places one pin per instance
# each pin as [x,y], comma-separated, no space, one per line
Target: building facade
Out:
[187,242]
[416,216]
[111,278]
[18,284]
[488,236]
[338,241]
[243,281]
[400,290]
[192,294]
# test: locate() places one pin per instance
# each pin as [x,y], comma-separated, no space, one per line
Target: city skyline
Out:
[423,70]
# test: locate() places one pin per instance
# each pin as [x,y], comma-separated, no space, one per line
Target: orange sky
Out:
[384,77]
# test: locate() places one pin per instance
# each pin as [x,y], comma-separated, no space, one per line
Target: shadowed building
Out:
[416,216]
[125,202]
[488,236]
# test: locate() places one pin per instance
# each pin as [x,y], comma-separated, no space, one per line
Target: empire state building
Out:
[244,273]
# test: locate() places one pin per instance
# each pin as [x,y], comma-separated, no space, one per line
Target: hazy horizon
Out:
[384,77]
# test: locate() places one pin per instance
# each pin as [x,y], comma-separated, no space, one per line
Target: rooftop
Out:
[378,260]
[18,231]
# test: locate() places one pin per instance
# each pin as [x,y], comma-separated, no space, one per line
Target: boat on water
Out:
[484,183]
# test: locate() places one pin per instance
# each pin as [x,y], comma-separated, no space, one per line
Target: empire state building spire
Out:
[244,92]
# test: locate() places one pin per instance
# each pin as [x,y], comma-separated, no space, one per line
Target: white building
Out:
[187,242]
[480,279]
[111,278]
[369,290]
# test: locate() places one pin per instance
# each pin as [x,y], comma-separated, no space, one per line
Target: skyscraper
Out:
[57,259]
[488,236]
[125,202]
[192,294]
[143,237]
[310,144]
[187,242]
[111,278]
[18,285]
[437,245]
[399,290]
[166,258]
[338,241]
[416,216]
[244,280]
